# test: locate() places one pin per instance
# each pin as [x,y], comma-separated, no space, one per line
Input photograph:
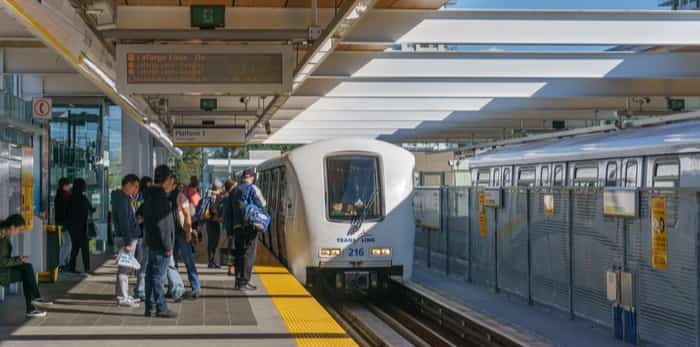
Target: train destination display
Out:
[203,68]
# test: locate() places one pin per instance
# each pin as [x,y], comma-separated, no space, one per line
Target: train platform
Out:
[279,313]
[539,323]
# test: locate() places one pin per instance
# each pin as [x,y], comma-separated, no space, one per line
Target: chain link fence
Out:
[554,246]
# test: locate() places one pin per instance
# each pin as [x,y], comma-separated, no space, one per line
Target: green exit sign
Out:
[676,104]
[207,17]
[207,104]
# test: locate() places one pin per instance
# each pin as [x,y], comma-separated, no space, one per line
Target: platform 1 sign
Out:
[205,69]
[208,137]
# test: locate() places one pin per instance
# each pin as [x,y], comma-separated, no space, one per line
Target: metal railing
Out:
[555,247]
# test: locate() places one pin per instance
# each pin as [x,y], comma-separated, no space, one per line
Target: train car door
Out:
[280,216]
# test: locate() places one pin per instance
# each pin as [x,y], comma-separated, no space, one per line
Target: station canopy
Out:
[291,71]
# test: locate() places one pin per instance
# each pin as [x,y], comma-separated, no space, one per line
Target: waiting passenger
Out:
[350,210]
[128,234]
[211,216]
[19,269]
[183,238]
[245,235]
[141,249]
[61,219]
[79,211]
[227,223]
[159,235]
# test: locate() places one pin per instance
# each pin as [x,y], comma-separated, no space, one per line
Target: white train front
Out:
[342,212]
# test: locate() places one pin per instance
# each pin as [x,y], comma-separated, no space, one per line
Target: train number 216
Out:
[356,252]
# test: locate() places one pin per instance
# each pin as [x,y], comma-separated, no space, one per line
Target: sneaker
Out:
[195,295]
[166,314]
[246,287]
[135,299]
[41,302]
[127,303]
[36,313]
[179,298]
[210,265]
[216,266]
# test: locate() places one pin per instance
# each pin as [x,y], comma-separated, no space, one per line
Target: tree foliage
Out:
[190,164]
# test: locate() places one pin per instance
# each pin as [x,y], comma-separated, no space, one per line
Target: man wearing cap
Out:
[245,240]
[159,231]
[212,221]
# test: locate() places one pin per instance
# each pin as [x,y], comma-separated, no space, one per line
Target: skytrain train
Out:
[342,214]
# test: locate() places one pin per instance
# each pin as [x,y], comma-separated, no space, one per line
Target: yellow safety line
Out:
[306,319]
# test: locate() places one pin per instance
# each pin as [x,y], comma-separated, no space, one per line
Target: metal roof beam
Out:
[528,27]
[344,65]
[272,35]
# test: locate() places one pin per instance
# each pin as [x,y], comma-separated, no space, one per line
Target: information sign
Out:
[549,205]
[41,108]
[659,235]
[27,205]
[205,69]
[620,202]
[482,214]
[208,137]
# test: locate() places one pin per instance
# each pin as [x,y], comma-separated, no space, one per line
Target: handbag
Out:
[124,259]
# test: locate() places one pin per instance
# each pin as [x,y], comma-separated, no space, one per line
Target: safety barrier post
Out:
[528,210]
[571,253]
[444,225]
[495,248]
[470,194]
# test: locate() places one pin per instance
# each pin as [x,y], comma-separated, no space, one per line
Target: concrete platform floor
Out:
[85,314]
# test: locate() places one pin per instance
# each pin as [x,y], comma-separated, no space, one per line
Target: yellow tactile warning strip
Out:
[309,323]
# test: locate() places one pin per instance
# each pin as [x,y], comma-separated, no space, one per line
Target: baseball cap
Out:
[248,173]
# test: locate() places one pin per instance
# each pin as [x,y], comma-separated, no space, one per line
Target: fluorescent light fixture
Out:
[160,133]
[306,69]
[96,69]
[300,78]
[326,46]
[317,57]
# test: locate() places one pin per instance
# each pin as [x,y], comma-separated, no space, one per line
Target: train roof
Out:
[681,137]
[321,148]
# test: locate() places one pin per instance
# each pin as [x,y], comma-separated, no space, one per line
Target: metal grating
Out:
[457,228]
[482,248]
[513,243]
[597,247]
[549,237]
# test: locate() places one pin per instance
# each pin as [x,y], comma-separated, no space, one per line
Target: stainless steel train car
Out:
[660,155]
[342,212]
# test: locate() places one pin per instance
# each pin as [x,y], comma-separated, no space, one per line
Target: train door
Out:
[265,187]
[279,217]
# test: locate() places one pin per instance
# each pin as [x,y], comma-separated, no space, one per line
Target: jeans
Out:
[244,257]
[213,236]
[175,284]
[25,273]
[122,288]
[183,249]
[64,251]
[80,242]
[155,276]
[142,257]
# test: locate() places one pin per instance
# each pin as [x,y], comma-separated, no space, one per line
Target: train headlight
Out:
[329,252]
[380,252]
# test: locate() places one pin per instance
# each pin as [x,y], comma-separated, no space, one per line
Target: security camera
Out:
[268,127]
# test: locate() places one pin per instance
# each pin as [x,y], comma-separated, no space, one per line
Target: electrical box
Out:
[207,17]
[676,104]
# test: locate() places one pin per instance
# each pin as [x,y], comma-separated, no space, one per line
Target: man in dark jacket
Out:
[245,237]
[159,229]
[128,234]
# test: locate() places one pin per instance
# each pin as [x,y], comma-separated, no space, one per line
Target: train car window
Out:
[611,174]
[353,188]
[585,176]
[558,179]
[666,174]
[496,177]
[526,177]
[506,177]
[483,178]
[544,176]
[631,174]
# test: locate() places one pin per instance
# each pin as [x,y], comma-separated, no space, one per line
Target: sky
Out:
[559,4]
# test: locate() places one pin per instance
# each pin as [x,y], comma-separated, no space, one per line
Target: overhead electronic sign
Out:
[183,69]
[208,137]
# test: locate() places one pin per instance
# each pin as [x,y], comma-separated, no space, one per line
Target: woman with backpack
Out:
[211,216]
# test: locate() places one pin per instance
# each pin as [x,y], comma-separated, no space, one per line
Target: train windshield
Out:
[353,191]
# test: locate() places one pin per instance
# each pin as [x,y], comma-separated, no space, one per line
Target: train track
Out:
[412,316]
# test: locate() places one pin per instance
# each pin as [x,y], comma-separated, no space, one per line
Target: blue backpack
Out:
[254,215]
